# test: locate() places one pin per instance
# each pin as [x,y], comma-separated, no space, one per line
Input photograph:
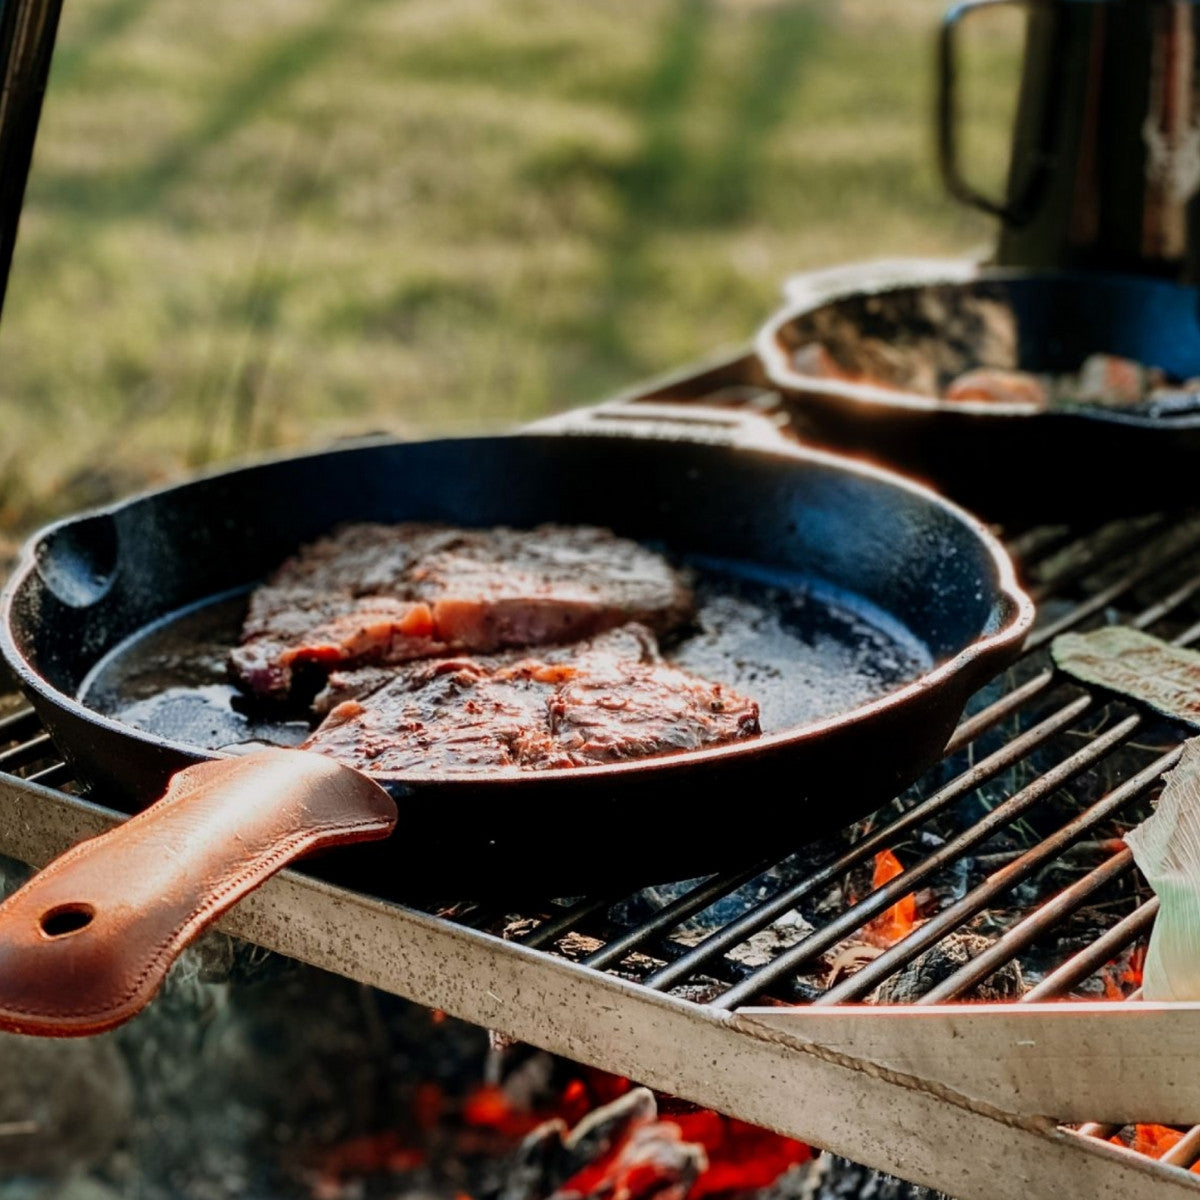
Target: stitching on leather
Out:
[195,920]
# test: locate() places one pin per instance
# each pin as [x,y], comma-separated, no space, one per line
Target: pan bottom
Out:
[802,649]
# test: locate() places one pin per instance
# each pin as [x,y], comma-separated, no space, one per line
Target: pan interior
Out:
[802,648]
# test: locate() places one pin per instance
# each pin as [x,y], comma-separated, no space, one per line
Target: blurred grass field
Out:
[258,223]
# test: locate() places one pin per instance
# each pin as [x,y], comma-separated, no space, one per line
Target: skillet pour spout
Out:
[85,945]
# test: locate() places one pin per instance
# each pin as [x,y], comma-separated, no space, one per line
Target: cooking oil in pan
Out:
[801,648]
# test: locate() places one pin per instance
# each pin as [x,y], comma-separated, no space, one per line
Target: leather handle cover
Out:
[85,944]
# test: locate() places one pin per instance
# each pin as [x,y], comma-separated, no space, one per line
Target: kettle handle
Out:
[1011,211]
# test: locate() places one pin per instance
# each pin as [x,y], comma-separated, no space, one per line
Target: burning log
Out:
[653,1163]
[939,962]
[550,1155]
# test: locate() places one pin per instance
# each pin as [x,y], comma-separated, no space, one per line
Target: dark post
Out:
[27,29]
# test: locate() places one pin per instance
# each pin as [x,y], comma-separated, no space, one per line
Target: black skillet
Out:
[865,565]
[1008,462]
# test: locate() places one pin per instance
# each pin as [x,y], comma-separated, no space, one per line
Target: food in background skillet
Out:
[600,701]
[1102,380]
[371,594]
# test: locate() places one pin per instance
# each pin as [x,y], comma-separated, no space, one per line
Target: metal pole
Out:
[27,29]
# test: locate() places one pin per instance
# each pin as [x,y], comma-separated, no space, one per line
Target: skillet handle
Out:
[673,421]
[86,943]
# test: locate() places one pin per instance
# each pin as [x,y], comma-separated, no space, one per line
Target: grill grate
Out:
[1015,835]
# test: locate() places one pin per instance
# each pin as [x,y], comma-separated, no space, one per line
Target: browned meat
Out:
[393,593]
[998,385]
[600,701]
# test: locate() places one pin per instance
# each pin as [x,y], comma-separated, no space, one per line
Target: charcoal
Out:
[836,1178]
[939,962]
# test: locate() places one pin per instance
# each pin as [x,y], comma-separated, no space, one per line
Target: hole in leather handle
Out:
[65,919]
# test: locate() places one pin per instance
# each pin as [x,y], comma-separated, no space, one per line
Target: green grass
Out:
[271,223]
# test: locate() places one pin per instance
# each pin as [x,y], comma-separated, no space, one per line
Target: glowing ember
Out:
[1132,974]
[898,921]
[1121,980]
[487,1107]
[1151,1140]
[728,1156]
[740,1156]
[681,1154]
[1154,1140]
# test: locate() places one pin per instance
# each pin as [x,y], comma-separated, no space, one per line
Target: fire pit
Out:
[825,973]
[939,989]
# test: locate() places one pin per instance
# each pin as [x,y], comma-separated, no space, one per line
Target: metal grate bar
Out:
[1022,935]
[998,710]
[1100,600]
[25,753]
[758,918]
[54,775]
[956,915]
[857,915]
[1008,704]
[19,725]
[548,932]
[1083,558]
[672,914]
[1041,541]
[1186,1151]
[1106,947]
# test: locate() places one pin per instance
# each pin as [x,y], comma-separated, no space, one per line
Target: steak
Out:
[381,594]
[604,700]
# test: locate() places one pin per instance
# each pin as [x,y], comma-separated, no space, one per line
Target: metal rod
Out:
[1131,539]
[1026,932]
[1186,1151]
[1008,704]
[550,931]
[1100,600]
[20,724]
[758,918]
[26,752]
[1093,957]
[956,915]
[52,776]
[27,32]
[671,914]
[883,897]
[1040,542]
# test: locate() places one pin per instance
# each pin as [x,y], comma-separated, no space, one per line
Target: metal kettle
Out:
[1105,165]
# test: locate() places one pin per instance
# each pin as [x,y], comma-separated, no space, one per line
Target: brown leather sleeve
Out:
[85,944]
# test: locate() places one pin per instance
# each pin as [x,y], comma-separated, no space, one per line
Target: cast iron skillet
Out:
[86,943]
[1008,462]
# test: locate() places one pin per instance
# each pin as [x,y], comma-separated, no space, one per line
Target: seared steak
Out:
[393,593]
[599,701]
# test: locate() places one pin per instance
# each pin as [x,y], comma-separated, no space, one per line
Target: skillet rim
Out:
[946,273]
[1004,641]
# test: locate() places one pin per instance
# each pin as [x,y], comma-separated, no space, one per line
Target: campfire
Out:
[602,1137]
[974,849]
